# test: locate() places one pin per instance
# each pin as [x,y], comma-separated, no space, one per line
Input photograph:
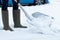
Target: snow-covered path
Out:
[52,9]
[19,34]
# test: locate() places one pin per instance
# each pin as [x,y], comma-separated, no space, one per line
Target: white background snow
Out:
[35,32]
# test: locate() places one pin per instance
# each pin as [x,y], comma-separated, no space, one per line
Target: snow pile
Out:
[41,23]
[54,1]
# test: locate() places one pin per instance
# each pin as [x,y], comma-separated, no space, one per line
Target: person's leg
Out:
[0,3]
[16,15]
[5,15]
[4,4]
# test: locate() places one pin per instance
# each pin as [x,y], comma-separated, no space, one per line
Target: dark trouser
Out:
[5,16]
[16,15]
[5,4]
[0,2]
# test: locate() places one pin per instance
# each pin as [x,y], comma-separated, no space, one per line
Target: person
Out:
[16,15]
[0,3]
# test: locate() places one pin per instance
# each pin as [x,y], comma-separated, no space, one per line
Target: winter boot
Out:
[5,20]
[16,19]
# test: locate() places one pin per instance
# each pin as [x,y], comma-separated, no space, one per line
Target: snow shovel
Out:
[34,15]
[38,20]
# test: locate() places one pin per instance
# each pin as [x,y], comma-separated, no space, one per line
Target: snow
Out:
[41,24]
[45,24]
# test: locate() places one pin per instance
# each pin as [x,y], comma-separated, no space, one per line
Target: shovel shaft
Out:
[26,14]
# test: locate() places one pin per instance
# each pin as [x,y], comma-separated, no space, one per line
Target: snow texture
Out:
[45,24]
[41,23]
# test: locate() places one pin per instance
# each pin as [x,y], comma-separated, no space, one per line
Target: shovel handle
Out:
[26,14]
